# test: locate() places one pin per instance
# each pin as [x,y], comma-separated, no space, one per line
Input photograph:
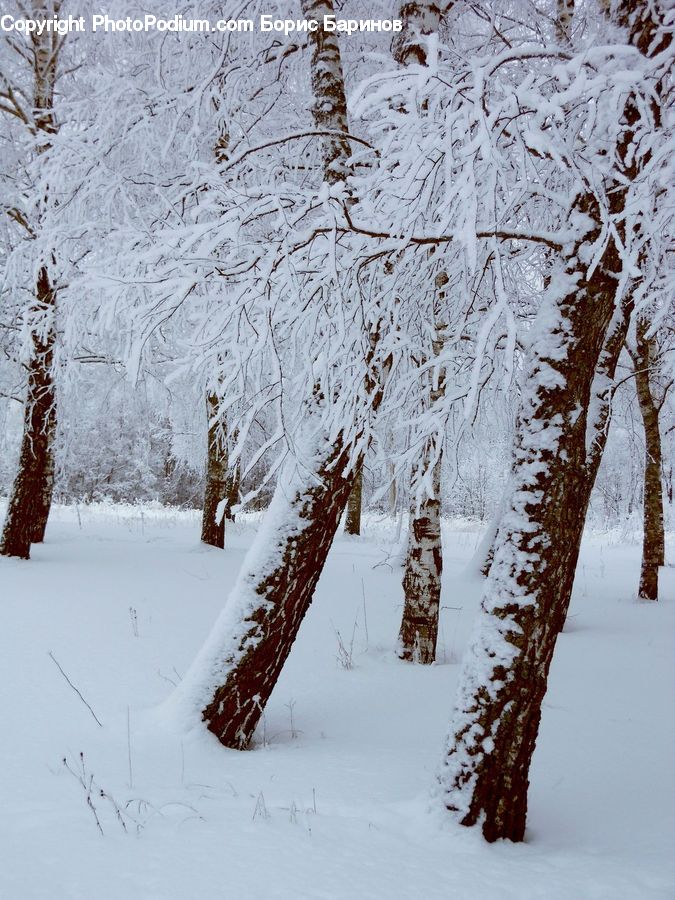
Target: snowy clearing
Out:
[335,799]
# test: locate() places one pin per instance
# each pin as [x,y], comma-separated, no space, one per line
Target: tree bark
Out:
[31,494]
[217,478]
[422,578]
[232,491]
[32,489]
[278,595]
[486,776]
[423,569]
[45,500]
[235,673]
[601,406]
[505,673]
[653,543]
[353,522]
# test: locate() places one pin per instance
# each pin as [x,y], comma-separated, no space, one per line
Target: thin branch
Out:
[58,665]
[297,137]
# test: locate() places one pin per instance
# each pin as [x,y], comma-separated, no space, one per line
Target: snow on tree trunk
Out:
[484,554]
[353,522]
[217,478]
[424,558]
[505,672]
[236,670]
[272,596]
[653,544]
[563,21]
[420,19]
[599,418]
[232,492]
[486,773]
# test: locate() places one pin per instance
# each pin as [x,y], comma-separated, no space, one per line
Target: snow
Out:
[340,805]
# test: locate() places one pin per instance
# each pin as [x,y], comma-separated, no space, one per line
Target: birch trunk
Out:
[422,579]
[423,569]
[653,543]
[217,478]
[31,494]
[504,678]
[353,522]
[503,682]
[601,407]
[44,503]
[235,673]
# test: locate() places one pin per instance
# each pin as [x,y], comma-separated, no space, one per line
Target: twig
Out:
[58,666]
[131,774]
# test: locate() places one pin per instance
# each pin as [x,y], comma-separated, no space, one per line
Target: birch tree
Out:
[424,557]
[237,668]
[33,109]
[503,681]
[651,393]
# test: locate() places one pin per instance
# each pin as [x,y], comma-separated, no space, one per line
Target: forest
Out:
[337,392]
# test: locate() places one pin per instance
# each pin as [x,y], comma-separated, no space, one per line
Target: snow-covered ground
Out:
[335,800]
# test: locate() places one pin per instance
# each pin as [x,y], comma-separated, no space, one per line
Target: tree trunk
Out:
[31,493]
[217,478]
[235,673]
[270,599]
[424,558]
[504,677]
[422,578]
[601,406]
[482,558]
[232,491]
[353,523]
[653,543]
[45,501]
[505,673]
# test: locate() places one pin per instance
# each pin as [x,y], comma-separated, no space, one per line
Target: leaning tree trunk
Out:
[235,672]
[238,668]
[504,678]
[353,521]
[601,407]
[31,493]
[653,543]
[217,478]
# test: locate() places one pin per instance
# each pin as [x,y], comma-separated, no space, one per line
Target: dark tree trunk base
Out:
[31,494]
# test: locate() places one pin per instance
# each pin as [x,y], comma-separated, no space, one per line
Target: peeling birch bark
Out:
[653,542]
[423,569]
